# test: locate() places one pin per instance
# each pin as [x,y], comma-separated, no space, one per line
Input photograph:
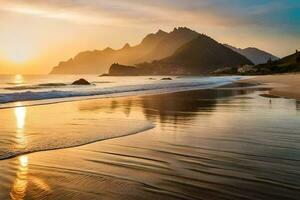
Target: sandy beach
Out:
[285,85]
[205,144]
[149,100]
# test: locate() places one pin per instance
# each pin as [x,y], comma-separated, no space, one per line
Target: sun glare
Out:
[18,51]
[20,114]
[23,161]
[18,79]
[18,56]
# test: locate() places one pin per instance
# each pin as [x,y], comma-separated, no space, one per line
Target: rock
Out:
[81,82]
[166,79]
[103,75]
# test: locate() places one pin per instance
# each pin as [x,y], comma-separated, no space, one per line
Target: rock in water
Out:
[81,82]
[103,75]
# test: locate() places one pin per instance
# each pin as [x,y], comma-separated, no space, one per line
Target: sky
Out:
[37,34]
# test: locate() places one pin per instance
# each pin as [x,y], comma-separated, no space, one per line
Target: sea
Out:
[146,138]
[43,89]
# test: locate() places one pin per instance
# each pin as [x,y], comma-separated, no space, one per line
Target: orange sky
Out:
[36,35]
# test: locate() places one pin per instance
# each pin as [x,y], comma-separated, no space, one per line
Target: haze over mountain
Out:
[199,56]
[153,47]
[256,55]
[203,55]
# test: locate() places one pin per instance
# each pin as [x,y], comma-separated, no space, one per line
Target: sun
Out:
[18,51]
[18,55]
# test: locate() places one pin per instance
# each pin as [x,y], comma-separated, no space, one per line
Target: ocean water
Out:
[213,144]
[19,91]
[42,89]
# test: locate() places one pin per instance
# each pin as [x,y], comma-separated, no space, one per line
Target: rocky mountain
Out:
[199,56]
[153,47]
[257,56]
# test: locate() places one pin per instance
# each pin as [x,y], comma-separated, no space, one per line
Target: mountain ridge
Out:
[153,46]
[290,63]
[202,55]
[257,56]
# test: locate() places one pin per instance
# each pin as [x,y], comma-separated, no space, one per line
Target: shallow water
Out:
[45,89]
[207,144]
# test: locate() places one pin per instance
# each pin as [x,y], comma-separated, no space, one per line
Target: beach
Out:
[283,85]
[149,100]
[217,143]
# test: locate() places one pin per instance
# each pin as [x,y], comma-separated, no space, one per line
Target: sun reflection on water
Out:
[19,188]
[20,115]
[18,79]
[20,184]
[23,161]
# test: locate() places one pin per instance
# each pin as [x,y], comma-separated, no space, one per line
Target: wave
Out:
[33,87]
[46,86]
[159,87]
[51,140]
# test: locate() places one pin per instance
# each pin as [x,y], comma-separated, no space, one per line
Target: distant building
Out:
[246,69]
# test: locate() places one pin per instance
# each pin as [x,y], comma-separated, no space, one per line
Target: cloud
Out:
[224,13]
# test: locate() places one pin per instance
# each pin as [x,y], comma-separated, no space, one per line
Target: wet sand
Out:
[208,144]
[286,85]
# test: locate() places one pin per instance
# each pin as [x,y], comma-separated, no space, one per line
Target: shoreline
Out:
[285,85]
[129,93]
[217,136]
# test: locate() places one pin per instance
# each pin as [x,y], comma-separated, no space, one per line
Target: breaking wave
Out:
[33,93]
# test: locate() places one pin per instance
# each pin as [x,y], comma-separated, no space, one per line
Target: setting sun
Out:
[18,54]
[18,57]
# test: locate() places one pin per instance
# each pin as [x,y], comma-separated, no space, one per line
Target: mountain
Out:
[167,46]
[153,47]
[257,56]
[122,70]
[199,56]
[287,64]
[291,60]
